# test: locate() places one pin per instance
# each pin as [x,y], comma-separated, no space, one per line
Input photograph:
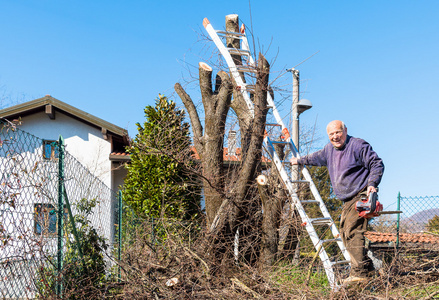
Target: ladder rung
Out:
[279,142]
[242,68]
[331,240]
[321,221]
[339,262]
[230,33]
[272,124]
[309,201]
[250,88]
[235,51]
[299,181]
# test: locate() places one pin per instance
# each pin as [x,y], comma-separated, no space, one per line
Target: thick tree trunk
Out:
[269,224]
[245,118]
[210,144]
[284,213]
[230,210]
[253,156]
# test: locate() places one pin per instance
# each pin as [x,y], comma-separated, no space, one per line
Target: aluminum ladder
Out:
[247,67]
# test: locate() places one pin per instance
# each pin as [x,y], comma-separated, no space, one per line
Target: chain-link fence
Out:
[419,216]
[50,204]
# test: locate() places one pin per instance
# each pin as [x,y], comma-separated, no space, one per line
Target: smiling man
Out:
[354,168]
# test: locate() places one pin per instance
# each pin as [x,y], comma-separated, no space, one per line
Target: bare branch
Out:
[197,128]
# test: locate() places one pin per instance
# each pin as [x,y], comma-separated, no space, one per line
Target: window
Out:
[46,219]
[50,149]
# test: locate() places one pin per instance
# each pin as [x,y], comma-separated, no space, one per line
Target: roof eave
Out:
[16,110]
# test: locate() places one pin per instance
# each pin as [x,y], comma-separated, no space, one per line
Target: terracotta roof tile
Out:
[383,237]
[236,157]
[120,153]
[119,156]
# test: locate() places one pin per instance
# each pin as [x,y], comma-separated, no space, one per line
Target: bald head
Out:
[337,133]
[336,123]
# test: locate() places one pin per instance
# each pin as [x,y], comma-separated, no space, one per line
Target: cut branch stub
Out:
[204,66]
[205,73]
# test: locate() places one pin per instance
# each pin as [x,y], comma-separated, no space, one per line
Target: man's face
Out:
[337,136]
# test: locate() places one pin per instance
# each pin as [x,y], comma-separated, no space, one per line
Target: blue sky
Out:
[376,67]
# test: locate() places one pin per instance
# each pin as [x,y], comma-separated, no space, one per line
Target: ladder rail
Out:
[325,212]
[230,63]
[297,205]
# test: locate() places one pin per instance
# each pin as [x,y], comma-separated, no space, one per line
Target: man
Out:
[354,168]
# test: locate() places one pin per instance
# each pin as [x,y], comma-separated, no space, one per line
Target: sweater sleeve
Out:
[373,163]
[317,158]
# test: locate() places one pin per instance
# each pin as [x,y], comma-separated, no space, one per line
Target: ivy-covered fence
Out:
[53,212]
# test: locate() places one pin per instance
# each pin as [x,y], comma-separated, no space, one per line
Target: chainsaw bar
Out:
[389,212]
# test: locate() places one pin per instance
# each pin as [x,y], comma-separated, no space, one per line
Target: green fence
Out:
[42,190]
[419,215]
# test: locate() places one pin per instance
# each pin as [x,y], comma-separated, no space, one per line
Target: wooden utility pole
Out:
[295,116]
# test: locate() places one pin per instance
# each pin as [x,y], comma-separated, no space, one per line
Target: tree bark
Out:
[269,222]
[231,208]
[197,128]
[210,144]
[253,156]
[239,106]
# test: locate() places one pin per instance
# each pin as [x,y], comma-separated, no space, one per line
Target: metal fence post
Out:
[398,207]
[59,286]
[120,233]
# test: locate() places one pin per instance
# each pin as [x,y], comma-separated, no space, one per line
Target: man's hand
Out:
[371,189]
[293,161]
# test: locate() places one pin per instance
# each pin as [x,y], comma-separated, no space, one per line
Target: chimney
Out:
[231,143]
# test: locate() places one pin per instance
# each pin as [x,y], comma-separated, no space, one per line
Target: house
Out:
[97,144]
[30,189]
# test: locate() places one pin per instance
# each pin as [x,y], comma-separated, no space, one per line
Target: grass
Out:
[293,277]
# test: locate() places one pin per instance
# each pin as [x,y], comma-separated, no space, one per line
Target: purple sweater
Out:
[351,168]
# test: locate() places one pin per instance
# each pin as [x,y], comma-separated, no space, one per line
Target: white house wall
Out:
[119,174]
[84,142]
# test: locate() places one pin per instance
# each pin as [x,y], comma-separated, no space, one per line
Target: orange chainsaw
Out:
[369,207]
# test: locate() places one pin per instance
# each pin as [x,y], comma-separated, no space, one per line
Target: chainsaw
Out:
[369,206]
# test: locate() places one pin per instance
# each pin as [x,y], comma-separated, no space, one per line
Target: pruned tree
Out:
[225,203]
